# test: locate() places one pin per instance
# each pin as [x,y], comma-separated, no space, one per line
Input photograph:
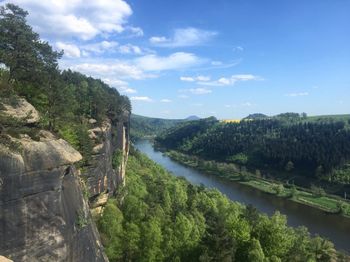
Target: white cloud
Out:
[238,49]
[203,78]
[195,78]
[183,96]
[77,18]
[135,31]
[226,81]
[100,47]
[247,104]
[70,50]
[297,94]
[158,39]
[165,100]
[199,91]
[174,61]
[127,90]
[110,47]
[114,82]
[130,49]
[121,85]
[184,37]
[187,79]
[109,69]
[141,98]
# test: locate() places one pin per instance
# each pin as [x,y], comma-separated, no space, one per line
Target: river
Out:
[333,227]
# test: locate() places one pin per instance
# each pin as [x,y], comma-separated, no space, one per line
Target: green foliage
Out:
[117,158]
[289,166]
[27,57]
[81,219]
[84,143]
[305,151]
[317,191]
[110,225]
[164,218]
[149,127]
[239,158]
[68,133]
[278,188]
[255,254]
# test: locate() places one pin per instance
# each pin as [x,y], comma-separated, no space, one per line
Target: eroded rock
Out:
[22,110]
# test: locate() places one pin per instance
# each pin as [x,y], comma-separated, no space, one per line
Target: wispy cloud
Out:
[184,37]
[196,91]
[141,98]
[165,100]
[238,48]
[226,81]
[179,60]
[99,48]
[105,68]
[195,78]
[127,90]
[297,94]
[183,96]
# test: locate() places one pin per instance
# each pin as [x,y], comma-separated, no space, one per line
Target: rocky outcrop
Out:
[42,205]
[102,177]
[44,212]
[21,110]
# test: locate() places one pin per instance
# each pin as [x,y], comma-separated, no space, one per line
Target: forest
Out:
[142,126]
[158,217]
[66,100]
[290,144]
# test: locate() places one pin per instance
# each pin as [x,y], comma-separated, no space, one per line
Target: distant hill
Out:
[191,118]
[142,126]
[255,116]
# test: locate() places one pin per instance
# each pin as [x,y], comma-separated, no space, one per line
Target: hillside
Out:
[310,151]
[142,126]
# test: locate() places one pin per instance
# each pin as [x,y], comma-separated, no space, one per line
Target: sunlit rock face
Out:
[41,202]
[21,110]
[44,212]
[102,179]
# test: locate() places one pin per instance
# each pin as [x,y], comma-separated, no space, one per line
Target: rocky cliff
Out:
[44,211]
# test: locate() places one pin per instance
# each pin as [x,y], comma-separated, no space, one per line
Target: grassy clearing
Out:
[328,203]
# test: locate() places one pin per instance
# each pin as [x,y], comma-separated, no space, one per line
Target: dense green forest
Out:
[66,100]
[158,217]
[315,148]
[142,126]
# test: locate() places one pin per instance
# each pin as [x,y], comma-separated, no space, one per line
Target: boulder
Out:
[21,110]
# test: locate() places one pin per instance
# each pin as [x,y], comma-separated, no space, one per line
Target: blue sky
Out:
[225,58]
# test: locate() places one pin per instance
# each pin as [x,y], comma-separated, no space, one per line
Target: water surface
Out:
[335,228]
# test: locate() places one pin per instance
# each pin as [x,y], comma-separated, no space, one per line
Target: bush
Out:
[318,191]
[277,188]
[117,158]
[239,158]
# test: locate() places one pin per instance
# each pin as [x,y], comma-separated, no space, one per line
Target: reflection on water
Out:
[333,227]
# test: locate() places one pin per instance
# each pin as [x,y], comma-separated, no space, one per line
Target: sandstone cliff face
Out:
[43,213]
[101,178]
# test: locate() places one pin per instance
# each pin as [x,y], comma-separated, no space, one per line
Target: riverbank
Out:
[315,197]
